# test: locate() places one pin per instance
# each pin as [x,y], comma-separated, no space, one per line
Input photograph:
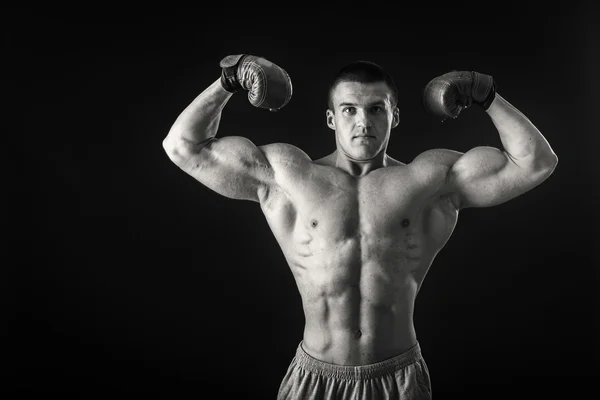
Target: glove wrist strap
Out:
[229,80]
[229,66]
[484,90]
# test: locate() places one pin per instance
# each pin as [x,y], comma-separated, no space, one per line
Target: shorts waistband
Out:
[309,363]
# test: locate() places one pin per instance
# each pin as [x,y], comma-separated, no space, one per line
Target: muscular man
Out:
[358,228]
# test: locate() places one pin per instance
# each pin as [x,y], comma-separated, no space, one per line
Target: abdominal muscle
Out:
[358,300]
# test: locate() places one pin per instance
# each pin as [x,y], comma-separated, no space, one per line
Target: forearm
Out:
[523,142]
[199,121]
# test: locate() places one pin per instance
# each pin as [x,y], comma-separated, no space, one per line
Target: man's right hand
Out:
[269,86]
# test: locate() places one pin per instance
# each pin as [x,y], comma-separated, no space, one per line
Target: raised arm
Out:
[231,166]
[486,176]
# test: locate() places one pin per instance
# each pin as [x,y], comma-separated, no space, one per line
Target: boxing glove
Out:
[269,86]
[447,95]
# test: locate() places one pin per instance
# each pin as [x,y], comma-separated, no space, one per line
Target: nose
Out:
[362,120]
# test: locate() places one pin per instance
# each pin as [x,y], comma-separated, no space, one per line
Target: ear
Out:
[395,117]
[330,119]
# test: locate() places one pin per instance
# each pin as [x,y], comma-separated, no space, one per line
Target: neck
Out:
[357,167]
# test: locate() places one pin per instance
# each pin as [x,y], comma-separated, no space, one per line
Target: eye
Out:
[376,109]
[349,110]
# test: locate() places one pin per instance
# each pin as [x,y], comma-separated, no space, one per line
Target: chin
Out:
[364,155]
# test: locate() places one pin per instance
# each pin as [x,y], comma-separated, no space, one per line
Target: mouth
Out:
[364,137]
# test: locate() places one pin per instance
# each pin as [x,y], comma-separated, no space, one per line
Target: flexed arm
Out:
[197,124]
[231,166]
[486,176]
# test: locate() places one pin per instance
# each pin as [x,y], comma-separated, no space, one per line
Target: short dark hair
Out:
[363,72]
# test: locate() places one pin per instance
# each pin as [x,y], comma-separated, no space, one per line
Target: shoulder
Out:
[434,161]
[287,162]
[437,157]
[282,154]
[433,168]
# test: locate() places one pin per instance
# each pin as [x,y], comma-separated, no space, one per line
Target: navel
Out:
[405,222]
[314,223]
[358,333]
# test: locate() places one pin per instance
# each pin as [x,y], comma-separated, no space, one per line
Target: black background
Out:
[130,277]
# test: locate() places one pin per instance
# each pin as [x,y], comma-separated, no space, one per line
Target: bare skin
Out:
[358,229]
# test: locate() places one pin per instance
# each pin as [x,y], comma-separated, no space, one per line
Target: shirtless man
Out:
[358,228]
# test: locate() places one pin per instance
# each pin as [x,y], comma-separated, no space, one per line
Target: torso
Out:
[359,249]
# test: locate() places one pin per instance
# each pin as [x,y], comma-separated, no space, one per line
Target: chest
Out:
[338,206]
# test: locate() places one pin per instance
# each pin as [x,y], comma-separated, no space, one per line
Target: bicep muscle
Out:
[486,176]
[231,166]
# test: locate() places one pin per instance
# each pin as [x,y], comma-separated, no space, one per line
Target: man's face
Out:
[362,118]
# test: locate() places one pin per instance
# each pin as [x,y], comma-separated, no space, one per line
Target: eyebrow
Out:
[375,103]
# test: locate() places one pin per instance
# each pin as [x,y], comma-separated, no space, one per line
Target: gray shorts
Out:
[403,377]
